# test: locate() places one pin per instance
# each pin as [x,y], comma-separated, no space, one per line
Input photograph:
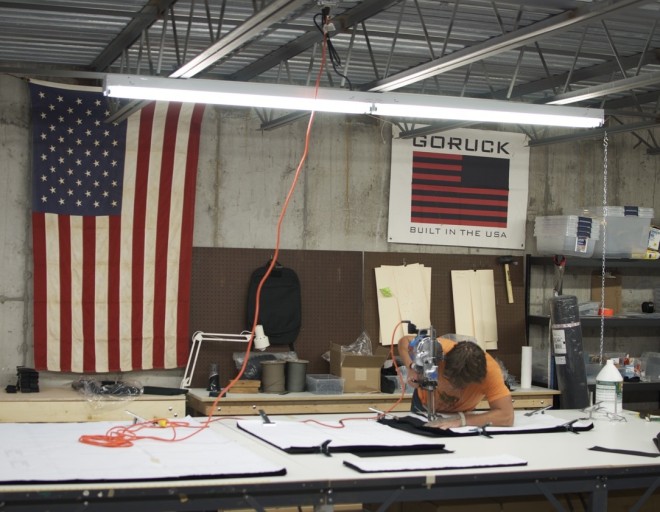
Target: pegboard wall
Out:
[338,300]
[331,289]
[511,330]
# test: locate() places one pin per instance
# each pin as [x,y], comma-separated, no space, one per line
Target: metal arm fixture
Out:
[260,343]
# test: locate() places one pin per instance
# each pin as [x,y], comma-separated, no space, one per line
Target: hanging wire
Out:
[333,55]
[604,237]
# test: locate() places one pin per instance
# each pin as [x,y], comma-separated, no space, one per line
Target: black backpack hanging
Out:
[280,305]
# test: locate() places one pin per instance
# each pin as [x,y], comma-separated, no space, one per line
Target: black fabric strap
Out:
[623,452]
[403,450]
[418,426]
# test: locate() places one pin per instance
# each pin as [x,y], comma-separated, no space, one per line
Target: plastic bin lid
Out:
[618,211]
[570,225]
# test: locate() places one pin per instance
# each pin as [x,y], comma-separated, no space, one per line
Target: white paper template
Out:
[473,293]
[404,293]
[288,435]
[430,462]
[52,452]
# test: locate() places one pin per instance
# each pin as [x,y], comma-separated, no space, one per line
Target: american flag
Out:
[459,189]
[112,226]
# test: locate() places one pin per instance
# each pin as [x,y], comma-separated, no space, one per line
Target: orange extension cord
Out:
[168,431]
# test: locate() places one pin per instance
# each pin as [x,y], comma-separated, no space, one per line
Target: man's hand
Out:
[444,423]
[414,378]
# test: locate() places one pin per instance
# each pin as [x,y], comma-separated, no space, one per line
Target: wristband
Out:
[463,420]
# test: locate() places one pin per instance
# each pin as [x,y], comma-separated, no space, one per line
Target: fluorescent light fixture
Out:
[294,97]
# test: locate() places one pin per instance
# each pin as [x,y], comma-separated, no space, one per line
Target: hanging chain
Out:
[604,237]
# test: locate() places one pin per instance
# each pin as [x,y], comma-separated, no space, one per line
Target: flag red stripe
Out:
[40,290]
[114,248]
[459,200]
[162,233]
[460,222]
[65,283]
[89,292]
[461,190]
[444,156]
[436,177]
[458,211]
[139,223]
[440,166]
[187,223]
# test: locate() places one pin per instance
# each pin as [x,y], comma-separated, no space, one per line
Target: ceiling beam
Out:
[246,31]
[347,19]
[500,44]
[586,73]
[598,91]
[628,102]
[243,33]
[148,15]
[58,7]
[595,133]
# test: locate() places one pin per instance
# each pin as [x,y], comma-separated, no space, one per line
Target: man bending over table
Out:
[466,375]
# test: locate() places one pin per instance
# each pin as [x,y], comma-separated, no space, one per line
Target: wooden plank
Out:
[63,405]
[308,403]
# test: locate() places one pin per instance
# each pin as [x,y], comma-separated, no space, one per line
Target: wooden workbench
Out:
[65,404]
[233,404]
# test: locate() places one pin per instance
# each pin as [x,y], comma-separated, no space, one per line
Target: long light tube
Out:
[293,97]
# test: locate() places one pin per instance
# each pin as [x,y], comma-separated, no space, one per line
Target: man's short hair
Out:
[465,364]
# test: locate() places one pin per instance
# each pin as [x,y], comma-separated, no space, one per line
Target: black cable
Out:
[333,55]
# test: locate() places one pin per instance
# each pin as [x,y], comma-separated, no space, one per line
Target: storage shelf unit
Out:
[638,266]
[629,266]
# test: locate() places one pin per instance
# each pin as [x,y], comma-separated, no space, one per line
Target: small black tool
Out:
[264,416]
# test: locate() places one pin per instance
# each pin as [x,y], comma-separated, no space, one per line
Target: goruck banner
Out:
[460,187]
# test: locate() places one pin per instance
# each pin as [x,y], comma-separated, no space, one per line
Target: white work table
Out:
[556,463]
[232,404]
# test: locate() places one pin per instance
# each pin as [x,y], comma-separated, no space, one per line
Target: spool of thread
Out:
[272,376]
[526,368]
[296,372]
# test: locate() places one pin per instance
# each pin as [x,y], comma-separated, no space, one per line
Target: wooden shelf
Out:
[309,403]
[596,262]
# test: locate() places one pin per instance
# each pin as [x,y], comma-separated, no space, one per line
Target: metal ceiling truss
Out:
[510,50]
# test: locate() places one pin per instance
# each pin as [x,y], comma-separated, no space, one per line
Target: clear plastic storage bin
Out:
[627,229]
[324,384]
[568,235]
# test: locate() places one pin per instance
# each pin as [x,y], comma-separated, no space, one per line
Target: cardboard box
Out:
[612,290]
[360,373]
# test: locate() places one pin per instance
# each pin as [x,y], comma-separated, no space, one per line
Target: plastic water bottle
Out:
[609,388]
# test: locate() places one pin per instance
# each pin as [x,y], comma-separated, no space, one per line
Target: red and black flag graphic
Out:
[459,189]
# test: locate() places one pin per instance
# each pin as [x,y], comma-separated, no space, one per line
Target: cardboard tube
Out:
[272,376]
[526,368]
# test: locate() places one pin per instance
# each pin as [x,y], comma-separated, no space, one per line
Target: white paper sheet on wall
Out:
[473,292]
[404,293]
